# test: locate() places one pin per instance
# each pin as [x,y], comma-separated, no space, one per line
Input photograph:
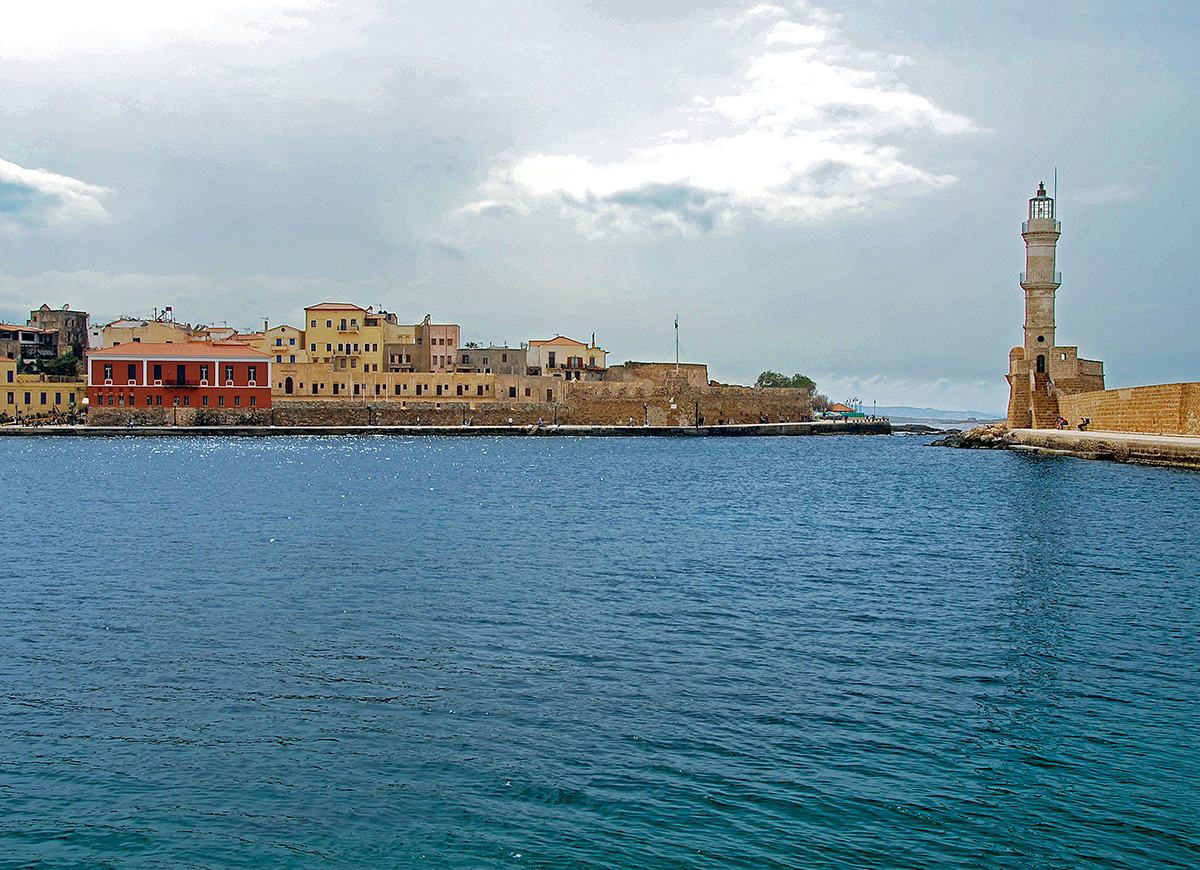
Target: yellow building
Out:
[285,343]
[346,336]
[141,331]
[35,397]
[315,380]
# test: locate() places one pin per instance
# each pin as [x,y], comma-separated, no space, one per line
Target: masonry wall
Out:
[1163,409]
[585,403]
[165,415]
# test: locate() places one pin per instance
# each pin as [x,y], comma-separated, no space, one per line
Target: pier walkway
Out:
[1176,450]
[818,427]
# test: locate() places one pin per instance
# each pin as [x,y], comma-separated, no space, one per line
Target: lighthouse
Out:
[1039,371]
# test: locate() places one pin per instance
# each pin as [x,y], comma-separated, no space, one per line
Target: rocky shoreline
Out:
[993,437]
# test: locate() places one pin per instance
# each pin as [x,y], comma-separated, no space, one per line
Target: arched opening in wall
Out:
[1041,363]
[288,386]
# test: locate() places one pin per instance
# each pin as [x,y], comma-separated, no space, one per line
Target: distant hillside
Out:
[906,412]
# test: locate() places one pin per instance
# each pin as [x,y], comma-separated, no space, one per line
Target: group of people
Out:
[1063,423]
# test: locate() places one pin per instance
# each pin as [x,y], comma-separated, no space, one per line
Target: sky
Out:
[832,189]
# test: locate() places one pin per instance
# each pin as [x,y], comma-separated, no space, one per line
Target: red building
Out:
[196,374]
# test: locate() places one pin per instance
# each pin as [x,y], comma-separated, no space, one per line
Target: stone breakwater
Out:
[1180,451]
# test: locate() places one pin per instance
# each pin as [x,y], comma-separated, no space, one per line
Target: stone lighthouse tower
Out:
[1040,371]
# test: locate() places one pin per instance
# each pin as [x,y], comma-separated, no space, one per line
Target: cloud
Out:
[804,134]
[51,29]
[35,198]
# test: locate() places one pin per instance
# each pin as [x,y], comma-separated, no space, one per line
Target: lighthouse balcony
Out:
[1057,278]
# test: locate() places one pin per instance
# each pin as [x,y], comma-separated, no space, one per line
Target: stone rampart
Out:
[167,415]
[1162,409]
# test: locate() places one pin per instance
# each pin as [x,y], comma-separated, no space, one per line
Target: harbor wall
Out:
[1162,409]
[669,403]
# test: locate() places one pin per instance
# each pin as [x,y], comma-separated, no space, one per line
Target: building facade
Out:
[566,358]
[185,374]
[1040,371]
[71,326]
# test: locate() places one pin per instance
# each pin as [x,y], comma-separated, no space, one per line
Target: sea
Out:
[477,652]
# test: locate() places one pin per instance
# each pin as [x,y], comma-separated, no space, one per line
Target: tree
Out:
[66,365]
[820,402]
[775,379]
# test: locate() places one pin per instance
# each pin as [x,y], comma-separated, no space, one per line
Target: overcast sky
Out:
[834,189]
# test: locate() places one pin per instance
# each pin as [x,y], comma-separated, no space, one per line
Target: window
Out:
[157,372]
[204,401]
[328,347]
[313,347]
[335,389]
[291,341]
[180,374]
[592,361]
[340,349]
[70,397]
[253,373]
[356,347]
[342,328]
[528,392]
[357,389]
[58,398]
[466,360]
[120,399]
[353,322]
[550,359]
[221,401]
[149,401]
[158,400]
[252,403]
[439,389]
[512,392]
[133,371]
[418,390]
[460,389]
[43,398]
[237,401]
[419,340]
[378,389]
[278,342]
[228,373]
[293,358]
[10,377]
[329,324]
[107,372]
[278,358]
[503,357]
[313,324]
[479,390]
[314,391]
[187,400]
[374,346]
[110,398]
[353,362]
[204,373]
[485,360]
[12,399]
[397,389]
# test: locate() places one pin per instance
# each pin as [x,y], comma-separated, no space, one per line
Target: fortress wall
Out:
[1162,409]
[583,407]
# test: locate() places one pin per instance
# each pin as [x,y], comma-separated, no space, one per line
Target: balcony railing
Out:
[1057,277]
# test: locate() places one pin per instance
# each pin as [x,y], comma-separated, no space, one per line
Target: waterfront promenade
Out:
[817,427]
[1176,450]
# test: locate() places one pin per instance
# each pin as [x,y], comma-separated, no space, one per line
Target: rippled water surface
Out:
[762,652]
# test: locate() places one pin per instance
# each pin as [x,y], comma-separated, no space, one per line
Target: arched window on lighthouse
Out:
[1041,363]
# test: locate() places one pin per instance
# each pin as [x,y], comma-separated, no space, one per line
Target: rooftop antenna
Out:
[676,344]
